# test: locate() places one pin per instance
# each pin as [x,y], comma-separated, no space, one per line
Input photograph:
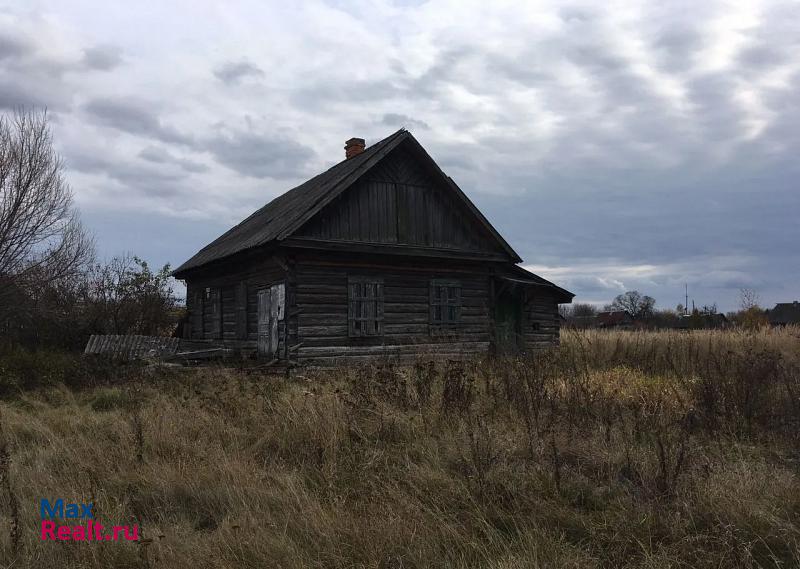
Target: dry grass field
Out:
[617,450]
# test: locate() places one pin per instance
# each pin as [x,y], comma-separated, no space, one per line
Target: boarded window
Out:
[365,312]
[445,302]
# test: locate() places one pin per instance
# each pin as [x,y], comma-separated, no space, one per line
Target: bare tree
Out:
[125,296]
[41,237]
[751,315]
[635,303]
[584,310]
[578,314]
[748,298]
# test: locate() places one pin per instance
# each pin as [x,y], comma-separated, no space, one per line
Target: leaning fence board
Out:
[132,346]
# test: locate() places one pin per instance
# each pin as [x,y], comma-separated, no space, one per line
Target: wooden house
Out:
[702,321]
[615,319]
[381,255]
[785,314]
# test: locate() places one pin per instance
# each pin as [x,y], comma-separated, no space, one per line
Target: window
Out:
[445,302]
[365,312]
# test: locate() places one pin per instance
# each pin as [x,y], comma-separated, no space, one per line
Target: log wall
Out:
[540,324]
[237,285]
[315,330]
[320,313]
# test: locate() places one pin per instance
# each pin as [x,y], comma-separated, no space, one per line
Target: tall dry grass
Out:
[617,450]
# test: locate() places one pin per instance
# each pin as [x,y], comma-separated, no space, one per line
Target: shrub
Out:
[22,369]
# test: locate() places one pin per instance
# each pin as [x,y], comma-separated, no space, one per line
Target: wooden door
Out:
[263,321]
[508,316]
[212,314]
[271,303]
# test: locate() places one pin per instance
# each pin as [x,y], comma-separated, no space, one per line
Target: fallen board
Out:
[132,346]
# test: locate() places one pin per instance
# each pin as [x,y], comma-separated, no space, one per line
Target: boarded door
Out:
[271,302]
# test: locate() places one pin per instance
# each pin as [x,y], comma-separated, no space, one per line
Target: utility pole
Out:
[686,302]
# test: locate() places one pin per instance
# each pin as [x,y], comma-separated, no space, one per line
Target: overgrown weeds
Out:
[617,450]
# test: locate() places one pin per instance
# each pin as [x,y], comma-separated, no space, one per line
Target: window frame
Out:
[363,320]
[443,302]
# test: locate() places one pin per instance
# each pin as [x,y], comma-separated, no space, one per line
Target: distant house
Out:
[588,321]
[615,319]
[785,313]
[381,255]
[702,321]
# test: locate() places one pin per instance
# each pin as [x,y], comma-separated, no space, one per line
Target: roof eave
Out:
[564,296]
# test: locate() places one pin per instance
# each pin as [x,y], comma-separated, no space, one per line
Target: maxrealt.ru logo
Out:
[88,530]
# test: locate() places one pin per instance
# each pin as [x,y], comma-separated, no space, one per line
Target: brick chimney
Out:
[353,147]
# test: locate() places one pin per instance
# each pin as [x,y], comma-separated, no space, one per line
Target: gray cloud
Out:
[134,116]
[12,46]
[232,72]
[614,150]
[261,155]
[394,119]
[121,170]
[134,177]
[675,46]
[102,57]
[163,156]
[28,78]
[575,13]
[708,230]
[14,96]
[354,92]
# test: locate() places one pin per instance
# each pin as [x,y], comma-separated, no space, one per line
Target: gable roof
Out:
[785,313]
[614,317]
[285,214]
[701,319]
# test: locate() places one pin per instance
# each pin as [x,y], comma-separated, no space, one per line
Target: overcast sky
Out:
[629,146]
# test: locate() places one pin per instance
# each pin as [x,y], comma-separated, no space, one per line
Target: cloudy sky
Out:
[629,146]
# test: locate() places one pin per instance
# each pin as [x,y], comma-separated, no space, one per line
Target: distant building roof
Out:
[702,320]
[785,313]
[614,318]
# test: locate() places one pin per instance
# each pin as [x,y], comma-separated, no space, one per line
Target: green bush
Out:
[22,370]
